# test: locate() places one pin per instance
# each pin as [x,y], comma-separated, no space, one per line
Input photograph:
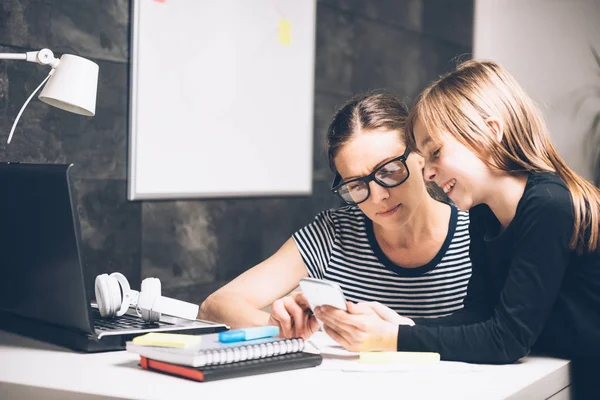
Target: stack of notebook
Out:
[204,358]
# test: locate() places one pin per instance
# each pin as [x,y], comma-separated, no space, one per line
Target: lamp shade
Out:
[73,85]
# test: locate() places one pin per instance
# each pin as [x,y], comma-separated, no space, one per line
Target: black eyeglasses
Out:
[389,175]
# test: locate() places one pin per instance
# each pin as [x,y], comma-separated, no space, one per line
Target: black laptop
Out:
[42,289]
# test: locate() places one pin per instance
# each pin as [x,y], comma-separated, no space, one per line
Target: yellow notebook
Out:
[160,339]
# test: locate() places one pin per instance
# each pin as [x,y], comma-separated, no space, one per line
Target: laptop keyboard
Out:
[123,322]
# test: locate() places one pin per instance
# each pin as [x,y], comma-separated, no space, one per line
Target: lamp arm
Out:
[12,130]
[10,56]
[42,57]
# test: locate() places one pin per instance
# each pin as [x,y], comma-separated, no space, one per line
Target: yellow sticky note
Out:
[160,339]
[285,32]
[398,357]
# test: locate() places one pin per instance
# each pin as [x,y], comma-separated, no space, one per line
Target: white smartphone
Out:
[320,293]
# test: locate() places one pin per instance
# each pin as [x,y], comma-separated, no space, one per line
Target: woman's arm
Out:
[240,302]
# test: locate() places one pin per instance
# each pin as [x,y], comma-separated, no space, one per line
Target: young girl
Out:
[534,230]
[392,243]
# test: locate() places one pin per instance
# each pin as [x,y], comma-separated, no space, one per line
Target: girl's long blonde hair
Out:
[461,102]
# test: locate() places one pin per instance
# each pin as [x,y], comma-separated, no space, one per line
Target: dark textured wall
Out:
[194,246]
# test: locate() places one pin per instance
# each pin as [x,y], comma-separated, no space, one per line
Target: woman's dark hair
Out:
[363,113]
[366,112]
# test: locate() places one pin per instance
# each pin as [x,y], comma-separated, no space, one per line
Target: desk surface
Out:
[32,369]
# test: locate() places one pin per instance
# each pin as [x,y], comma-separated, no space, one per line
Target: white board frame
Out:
[221,99]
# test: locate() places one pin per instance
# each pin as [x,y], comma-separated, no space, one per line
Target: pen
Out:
[240,335]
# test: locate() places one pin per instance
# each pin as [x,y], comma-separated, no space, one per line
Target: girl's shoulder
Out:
[539,180]
[545,189]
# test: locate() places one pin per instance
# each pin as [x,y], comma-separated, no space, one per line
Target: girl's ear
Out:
[496,126]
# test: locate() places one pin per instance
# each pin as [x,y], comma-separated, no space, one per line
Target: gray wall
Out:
[546,45]
[195,246]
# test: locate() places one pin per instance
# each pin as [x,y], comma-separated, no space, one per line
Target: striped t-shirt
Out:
[340,246]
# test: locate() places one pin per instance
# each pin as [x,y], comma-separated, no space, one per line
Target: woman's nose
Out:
[378,192]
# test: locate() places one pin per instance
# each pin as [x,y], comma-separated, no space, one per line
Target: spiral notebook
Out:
[212,352]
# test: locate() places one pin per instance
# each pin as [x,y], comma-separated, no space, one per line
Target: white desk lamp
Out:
[72,87]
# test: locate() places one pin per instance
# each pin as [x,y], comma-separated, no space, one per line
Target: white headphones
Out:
[114,296]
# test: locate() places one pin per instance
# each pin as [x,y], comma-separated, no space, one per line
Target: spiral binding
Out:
[249,352]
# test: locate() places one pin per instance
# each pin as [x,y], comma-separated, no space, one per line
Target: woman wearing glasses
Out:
[392,244]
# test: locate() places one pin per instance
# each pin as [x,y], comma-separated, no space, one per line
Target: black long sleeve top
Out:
[528,290]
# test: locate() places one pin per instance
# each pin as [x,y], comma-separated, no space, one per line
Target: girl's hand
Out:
[389,315]
[361,328]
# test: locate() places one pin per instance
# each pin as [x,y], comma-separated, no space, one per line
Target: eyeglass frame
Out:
[335,185]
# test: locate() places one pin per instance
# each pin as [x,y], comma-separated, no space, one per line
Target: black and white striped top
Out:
[339,246]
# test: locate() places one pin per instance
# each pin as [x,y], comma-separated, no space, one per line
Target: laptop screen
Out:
[41,273]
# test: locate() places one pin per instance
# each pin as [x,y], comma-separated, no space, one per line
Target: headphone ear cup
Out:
[150,287]
[102,297]
[124,289]
[108,295]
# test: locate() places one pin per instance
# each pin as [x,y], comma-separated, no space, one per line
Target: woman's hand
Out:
[293,316]
[364,327]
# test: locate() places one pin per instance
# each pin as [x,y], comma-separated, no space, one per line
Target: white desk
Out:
[30,369]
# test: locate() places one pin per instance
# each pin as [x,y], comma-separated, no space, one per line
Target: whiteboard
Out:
[221,98]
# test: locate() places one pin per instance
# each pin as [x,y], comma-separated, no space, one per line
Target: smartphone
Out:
[320,293]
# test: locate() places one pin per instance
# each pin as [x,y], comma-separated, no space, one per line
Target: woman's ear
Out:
[496,126]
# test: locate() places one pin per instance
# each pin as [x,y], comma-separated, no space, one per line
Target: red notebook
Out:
[284,362]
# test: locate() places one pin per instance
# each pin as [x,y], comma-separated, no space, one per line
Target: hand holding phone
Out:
[294,317]
[319,292]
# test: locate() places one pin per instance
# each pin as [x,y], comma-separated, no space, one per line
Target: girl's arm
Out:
[540,256]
